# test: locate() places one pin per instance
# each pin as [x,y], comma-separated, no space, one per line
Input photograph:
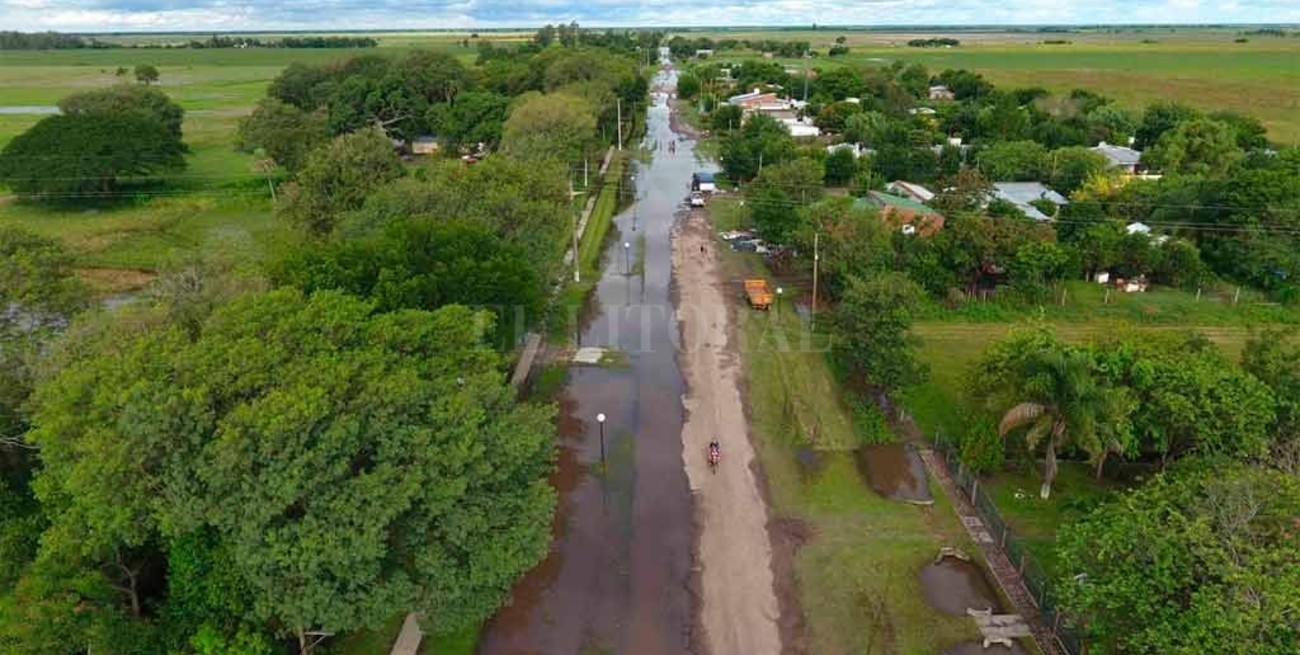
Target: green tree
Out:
[1111,123]
[354,465]
[833,116]
[725,119]
[146,73]
[80,157]
[1067,169]
[779,191]
[121,99]
[1035,266]
[1012,161]
[286,133]
[420,264]
[760,141]
[472,117]
[1251,133]
[337,178]
[873,327]
[1200,560]
[840,83]
[1161,117]
[688,86]
[851,239]
[1190,399]
[841,166]
[1061,400]
[551,126]
[1273,357]
[1200,145]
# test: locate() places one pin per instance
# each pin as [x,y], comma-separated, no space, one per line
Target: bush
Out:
[981,449]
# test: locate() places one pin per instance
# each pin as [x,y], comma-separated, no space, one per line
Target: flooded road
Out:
[618,579]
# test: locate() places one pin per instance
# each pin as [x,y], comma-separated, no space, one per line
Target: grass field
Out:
[220,201]
[1202,67]
[857,569]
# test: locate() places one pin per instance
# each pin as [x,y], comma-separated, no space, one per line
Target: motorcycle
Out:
[715,455]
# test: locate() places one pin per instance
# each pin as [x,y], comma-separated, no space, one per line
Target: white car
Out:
[697,199]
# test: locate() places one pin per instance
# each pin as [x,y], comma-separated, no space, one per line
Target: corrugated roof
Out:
[1118,155]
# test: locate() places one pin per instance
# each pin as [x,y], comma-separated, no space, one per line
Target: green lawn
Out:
[1034,521]
[857,572]
[146,236]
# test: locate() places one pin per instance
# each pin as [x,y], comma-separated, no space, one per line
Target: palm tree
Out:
[1064,403]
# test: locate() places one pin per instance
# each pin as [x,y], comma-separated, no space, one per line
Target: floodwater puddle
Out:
[954,585]
[895,471]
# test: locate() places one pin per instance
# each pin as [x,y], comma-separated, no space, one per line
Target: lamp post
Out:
[779,291]
[600,418]
[627,258]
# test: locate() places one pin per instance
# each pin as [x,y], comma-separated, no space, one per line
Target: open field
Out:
[219,203]
[1201,67]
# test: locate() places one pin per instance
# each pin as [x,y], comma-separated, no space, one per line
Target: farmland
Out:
[1205,68]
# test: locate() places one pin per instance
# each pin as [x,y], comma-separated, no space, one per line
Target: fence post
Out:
[1003,545]
[1022,564]
[974,487]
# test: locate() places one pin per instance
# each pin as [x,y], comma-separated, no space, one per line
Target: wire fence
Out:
[1040,587]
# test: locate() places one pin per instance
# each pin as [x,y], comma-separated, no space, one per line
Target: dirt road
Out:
[739,606]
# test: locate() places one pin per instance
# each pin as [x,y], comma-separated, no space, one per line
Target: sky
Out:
[229,15]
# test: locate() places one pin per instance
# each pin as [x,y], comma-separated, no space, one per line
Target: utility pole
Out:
[760,161]
[573,221]
[805,81]
[816,259]
[586,183]
[619,106]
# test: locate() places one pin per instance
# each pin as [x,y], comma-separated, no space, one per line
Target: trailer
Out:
[758,293]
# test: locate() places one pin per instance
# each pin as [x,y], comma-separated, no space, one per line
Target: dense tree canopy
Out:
[337,178]
[122,99]
[84,156]
[1196,561]
[873,327]
[286,133]
[549,126]
[350,465]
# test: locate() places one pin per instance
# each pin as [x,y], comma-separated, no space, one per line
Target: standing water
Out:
[618,576]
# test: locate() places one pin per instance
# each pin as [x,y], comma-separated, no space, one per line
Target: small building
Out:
[941,92]
[922,111]
[910,190]
[1024,194]
[801,128]
[1121,157]
[755,100]
[703,53]
[704,182]
[424,145]
[855,148]
[903,214]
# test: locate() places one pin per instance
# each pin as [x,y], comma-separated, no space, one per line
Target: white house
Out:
[800,128]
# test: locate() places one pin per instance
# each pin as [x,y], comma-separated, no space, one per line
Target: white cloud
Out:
[203,15]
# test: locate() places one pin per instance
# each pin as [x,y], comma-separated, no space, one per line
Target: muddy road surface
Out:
[619,575]
[740,609]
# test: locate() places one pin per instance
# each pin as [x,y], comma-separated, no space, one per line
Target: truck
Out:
[758,293]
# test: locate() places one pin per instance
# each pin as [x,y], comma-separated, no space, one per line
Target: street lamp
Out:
[600,418]
[627,258]
[779,291]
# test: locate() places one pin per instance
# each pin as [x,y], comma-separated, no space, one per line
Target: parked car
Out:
[697,199]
